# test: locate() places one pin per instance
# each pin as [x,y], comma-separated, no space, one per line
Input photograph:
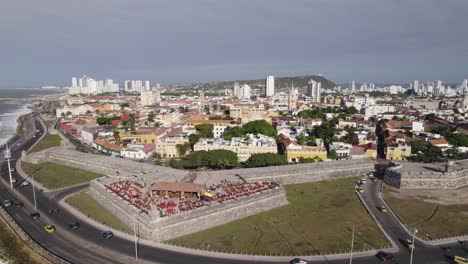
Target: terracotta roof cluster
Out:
[105,144]
[176,187]
[440,141]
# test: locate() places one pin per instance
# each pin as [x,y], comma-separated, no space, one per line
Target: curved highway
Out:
[85,245]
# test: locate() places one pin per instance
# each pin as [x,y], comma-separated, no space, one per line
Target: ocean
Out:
[14,103]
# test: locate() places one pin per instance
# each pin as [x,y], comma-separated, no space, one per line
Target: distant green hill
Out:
[281,83]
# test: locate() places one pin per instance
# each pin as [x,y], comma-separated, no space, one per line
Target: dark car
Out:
[384,256]
[298,261]
[107,234]
[19,204]
[52,211]
[74,226]
[35,215]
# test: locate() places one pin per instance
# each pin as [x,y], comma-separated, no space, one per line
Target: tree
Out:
[417,146]
[231,132]
[326,131]
[260,127]
[151,116]
[182,149]
[214,159]
[302,139]
[333,155]
[116,136]
[193,139]
[266,159]
[123,105]
[205,130]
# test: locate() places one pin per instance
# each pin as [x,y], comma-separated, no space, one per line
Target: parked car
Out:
[371,174]
[24,183]
[384,256]
[7,203]
[409,243]
[460,260]
[74,226]
[35,216]
[298,261]
[54,210]
[49,228]
[107,234]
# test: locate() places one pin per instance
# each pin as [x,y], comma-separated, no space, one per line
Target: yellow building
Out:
[139,137]
[305,152]
[294,151]
[398,152]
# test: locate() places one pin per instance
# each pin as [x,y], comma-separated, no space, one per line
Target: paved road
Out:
[85,246]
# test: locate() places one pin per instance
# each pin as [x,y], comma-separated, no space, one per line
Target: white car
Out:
[25,183]
[371,174]
[363,181]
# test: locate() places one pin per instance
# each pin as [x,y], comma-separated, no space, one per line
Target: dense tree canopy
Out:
[231,132]
[213,159]
[259,127]
[266,159]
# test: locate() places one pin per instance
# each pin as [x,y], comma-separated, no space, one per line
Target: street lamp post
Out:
[352,248]
[412,248]
[34,191]
[136,237]
[8,155]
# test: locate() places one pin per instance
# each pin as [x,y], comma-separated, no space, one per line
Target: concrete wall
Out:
[421,176]
[300,173]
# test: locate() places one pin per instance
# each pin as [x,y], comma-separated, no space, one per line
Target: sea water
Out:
[14,103]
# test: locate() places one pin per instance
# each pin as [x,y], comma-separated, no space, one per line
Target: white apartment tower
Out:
[270,86]
[314,90]
[244,92]
[236,90]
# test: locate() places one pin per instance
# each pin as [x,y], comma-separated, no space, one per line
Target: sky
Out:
[384,41]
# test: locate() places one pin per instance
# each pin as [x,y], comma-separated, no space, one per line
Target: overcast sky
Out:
[386,41]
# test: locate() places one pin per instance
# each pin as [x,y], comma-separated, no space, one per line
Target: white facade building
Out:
[270,86]
[89,86]
[314,90]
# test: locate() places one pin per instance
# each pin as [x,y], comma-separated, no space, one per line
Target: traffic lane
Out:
[423,252]
[57,242]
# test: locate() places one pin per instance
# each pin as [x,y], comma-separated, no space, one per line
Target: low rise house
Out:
[138,151]
[296,152]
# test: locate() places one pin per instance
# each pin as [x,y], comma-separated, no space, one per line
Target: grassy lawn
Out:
[87,205]
[432,220]
[13,250]
[317,220]
[54,176]
[48,123]
[48,141]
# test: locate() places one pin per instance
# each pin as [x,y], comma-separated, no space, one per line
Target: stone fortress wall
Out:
[408,175]
[154,228]
[159,229]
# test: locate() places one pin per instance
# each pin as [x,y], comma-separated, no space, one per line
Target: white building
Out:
[245,92]
[314,90]
[147,98]
[270,86]
[136,86]
[90,86]
[243,147]
[138,151]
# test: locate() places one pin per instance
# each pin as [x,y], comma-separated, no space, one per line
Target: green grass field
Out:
[319,219]
[87,205]
[430,219]
[48,141]
[55,176]
[48,123]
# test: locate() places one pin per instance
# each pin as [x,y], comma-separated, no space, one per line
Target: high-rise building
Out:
[146,97]
[416,87]
[353,86]
[244,92]
[270,86]
[147,85]
[86,85]
[236,90]
[314,90]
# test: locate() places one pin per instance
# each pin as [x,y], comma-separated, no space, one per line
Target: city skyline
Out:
[186,42]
